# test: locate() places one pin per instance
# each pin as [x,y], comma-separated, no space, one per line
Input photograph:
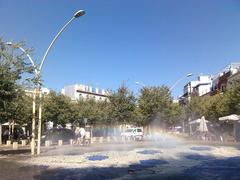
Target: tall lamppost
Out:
[37,89]
[182,78]
[76,15]
[172,87]
[33,94]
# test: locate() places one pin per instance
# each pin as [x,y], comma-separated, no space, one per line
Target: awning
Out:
[202,124]
[232,117]
[10,124]
[197,121]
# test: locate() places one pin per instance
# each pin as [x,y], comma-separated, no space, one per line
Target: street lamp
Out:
[34,97]
[76,15]
[79,13]
[172,87]
[186,76]
[37,89]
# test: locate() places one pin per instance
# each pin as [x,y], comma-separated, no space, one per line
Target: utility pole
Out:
[33,123]
[39,121]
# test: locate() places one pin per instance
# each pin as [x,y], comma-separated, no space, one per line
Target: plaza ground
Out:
[161,158]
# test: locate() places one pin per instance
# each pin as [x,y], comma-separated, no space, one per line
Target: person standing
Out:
[78,135]
[82,135]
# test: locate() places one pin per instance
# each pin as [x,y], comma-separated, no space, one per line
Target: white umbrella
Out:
[197,121]
[203,125]
[9,124]
[232,117]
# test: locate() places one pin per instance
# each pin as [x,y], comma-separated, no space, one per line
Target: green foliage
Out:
[96,112]
[176,114]
[12,67]
[233,95]
[137,117]
[216,106]
[58,108]
[20,110]
[153,101]
[122,105]
[194,108]
[213,107]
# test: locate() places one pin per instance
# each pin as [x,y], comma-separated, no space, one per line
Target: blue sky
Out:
[151,41]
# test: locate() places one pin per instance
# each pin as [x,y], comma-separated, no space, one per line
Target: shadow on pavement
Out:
[208,168]
[19,151]
[228,169]
[106,173]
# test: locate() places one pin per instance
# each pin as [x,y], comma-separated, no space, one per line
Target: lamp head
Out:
[79,13]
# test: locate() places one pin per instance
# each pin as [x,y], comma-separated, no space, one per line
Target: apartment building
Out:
[199,87]
[211,85]
[226,76]
[84,92]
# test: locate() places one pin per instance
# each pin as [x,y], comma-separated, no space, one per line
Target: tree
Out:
[233,95]
[20,110]
[155,104]
[97,112]
[122,104]
[12,67]
[58,108]
[177,114]
[212,107]
[138,117]
[194,108]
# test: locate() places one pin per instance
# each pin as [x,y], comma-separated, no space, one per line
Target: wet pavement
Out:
[149,152]
[97,158]
[201,148]
[135,160]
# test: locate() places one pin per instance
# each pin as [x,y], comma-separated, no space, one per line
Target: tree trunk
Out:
[9,131]
[183,126]
[13,130]
[0,134]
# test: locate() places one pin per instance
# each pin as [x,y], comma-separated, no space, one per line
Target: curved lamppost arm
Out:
[53,41]
[39,83]
[173,86]
[29,57]
[76,15]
